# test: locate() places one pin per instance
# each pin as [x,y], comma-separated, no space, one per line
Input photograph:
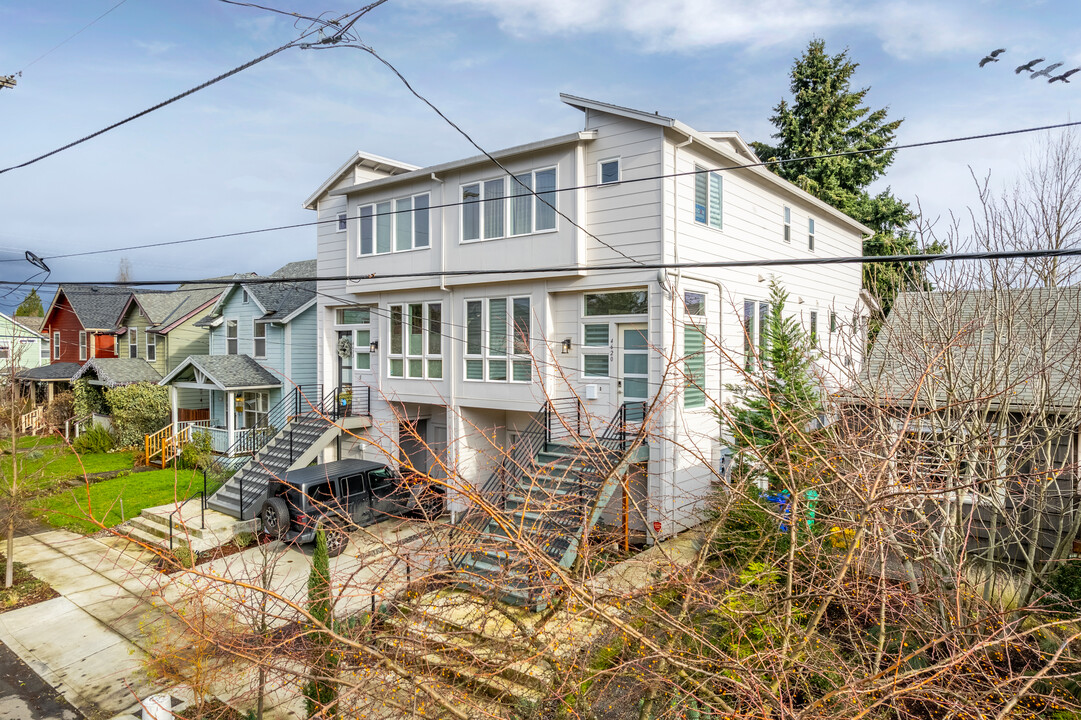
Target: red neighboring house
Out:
[82,322]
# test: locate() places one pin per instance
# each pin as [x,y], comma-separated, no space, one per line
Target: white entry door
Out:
[633,351]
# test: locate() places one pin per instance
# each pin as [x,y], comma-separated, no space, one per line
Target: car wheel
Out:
[337,541]
[275,517]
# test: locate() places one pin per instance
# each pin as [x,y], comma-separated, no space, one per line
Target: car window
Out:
[321,494]
[382,480]
[353,484]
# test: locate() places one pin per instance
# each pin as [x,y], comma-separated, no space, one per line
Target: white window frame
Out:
[811,234]
[44,348]
[82,346]
[786,217]
[56,344]
[235,339]
[151,347]
[511,191]
[714,197]
[368,221]
[427,354]
[5,350]
[594,350]
[600,171]
[812,327]
[753,337]
[255,338]
[513,356]
[343,222]
[244,296]
[133,343]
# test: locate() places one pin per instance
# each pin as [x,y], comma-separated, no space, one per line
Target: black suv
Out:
[341,495]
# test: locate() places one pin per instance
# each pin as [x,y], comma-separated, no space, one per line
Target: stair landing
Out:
[201,532]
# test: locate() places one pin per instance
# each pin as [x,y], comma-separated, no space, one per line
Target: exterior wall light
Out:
[567,346]
[374,346]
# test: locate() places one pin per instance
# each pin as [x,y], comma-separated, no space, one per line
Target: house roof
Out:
[118,371]
[97,307]
[278,301]
[1010,349]
[166,310]
[53,372]
[30,322]
[226,372]
[362,159]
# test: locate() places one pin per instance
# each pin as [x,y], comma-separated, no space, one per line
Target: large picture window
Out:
[416,341]
[395,225]
[498,343]
[507,207]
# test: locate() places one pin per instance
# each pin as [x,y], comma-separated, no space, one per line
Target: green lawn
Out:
[32,441]
[69,508]
[61,463]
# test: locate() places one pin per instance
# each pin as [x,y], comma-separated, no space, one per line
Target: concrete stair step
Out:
[493,685]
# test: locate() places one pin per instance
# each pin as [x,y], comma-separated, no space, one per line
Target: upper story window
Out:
[810,233]
[708,197]
[82,345]
[395,225]
[43,349]
[258,334]
[627,302]
[416,341]
[787,224]
[56,345]
[133,343]
[814,328]
[506,207]
[244,297]
[151,347]
[231,339]
[608,171]
[694,367]
[342,222]
[497,341]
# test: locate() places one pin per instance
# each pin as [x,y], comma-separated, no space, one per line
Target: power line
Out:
[337,37]
[71,37]
[587,186]
[569,269]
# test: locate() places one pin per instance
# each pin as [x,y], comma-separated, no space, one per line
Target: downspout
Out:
[442,232]
[672,426]
[451,370]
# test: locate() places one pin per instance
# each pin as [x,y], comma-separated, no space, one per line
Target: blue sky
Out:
[246,152]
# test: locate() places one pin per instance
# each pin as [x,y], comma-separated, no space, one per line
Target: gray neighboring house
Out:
[993,376]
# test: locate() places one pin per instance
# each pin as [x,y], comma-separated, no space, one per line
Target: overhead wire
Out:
[585,186]
[70,37]
[571,269]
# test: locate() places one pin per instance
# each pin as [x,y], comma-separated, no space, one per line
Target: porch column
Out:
[230,417]
[49,392]
[176,411]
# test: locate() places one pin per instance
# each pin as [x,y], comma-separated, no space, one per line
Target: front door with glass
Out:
[633,363]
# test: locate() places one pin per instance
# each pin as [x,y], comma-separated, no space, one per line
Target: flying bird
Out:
[993,57]
[1046,72]
[1064,77]
[1027,67]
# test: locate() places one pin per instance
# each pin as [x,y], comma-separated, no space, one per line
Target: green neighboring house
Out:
[158,329]
[20,338]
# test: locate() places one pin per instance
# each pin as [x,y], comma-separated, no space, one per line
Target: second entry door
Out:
[633,361]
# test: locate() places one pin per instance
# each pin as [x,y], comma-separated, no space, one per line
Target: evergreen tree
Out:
[826,115]
[770,418]
[31,305]
[320,691]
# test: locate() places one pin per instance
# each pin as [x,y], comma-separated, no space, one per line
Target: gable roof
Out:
[278,301]
[30,322]
[97,307]
[1003,348]
[167,310]
[226,372]
[118,371]
[52,372]
[365,160]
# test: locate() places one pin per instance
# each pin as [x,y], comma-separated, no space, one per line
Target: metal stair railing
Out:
[494,490]
[563,419]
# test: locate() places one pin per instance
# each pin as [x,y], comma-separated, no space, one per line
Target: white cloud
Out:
[904,28]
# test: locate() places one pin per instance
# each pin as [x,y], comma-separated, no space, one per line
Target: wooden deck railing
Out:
[33,421]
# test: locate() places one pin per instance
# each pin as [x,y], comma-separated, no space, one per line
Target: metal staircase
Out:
[532,514]
[307,420]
